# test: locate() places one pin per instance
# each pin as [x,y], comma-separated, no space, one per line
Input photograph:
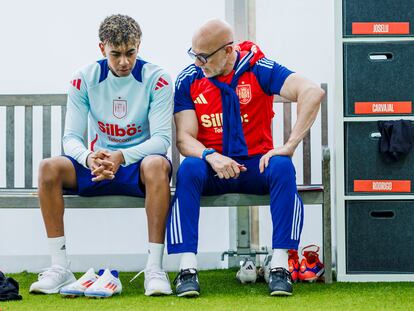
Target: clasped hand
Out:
[104,164]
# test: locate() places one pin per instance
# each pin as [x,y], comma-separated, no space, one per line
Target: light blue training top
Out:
[131,114]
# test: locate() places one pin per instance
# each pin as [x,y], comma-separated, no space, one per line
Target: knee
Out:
[281,167]
[192,169]
[49,173]
[155,169]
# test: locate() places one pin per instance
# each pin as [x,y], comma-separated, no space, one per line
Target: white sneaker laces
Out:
[151,274]
[54,272]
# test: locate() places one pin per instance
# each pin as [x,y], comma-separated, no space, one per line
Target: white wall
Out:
[300,35]
[45,41]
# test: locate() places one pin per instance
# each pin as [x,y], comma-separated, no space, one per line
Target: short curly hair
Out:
[119,30]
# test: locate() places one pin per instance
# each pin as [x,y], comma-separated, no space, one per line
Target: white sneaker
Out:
[266,267]
[52,279]
[156,282]
[107,285]
[78,288]
[247,272]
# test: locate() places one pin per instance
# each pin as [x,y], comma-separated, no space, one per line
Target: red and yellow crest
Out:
[244,92]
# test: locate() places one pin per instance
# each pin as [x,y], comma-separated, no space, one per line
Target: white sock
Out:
[57,247]
[188,261]
[155,253]
[280,258]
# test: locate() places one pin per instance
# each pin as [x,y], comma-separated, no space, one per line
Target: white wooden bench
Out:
[26,197]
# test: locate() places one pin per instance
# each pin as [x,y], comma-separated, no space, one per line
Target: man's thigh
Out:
[279,170]
[126,182]
[250,181]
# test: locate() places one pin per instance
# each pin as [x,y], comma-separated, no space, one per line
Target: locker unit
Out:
[368,171]
[374,82]
[379,237]
[378,78]
[378,18]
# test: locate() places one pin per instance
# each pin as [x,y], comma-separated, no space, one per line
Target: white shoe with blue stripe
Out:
[79,287]
[107,285]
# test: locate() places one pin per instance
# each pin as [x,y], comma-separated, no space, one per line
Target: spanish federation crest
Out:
[244,92]
[120,108]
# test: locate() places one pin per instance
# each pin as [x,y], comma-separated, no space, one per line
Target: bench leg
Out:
[326,210]
[242,235]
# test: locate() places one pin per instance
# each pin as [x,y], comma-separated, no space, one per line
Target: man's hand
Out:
[116,158]
[104,164]
[96,159]
[99,165]
[285,150]
[225,167]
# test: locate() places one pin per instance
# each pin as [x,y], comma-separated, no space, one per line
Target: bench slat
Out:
[46,131]
[10,147]
[175,154]
[62,127]
[307,159]
[28,147]
[324,115]
[33,100]
[287,120]
[28,199]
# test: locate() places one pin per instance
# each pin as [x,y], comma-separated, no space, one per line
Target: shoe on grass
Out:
[247,272]
[280,282]
[52,279]
[79,287]
[186,283]
[156,282]
[107,285]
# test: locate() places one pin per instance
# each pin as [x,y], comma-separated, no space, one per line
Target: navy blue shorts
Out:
[127,181]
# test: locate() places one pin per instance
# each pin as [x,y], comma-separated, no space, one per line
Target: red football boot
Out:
[311,268]
[293,263]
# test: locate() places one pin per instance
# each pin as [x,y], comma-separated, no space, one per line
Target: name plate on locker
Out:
[383,107]
[382,185]
[381,28]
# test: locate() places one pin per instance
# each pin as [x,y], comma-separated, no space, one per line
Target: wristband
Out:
[206,152]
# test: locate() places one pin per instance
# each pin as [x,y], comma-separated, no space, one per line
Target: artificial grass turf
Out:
[221,291]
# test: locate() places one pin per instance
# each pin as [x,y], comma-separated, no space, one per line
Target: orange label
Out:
[381,28]
[382,185]
[383,107]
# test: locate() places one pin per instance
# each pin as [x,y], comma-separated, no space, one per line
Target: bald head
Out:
[212,34]
[211,50]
